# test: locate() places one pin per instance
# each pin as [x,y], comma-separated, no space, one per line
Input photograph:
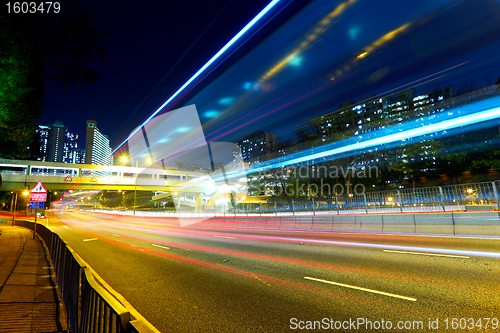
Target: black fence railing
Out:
[89,307]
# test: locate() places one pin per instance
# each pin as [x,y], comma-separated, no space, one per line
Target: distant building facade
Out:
[56,142]
[43,138]
[357,120]
[254,147]
[374,114]
[78,156]
[70,146]
[97,148]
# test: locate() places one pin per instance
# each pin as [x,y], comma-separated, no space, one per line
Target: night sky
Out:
[427,38]
[147,39]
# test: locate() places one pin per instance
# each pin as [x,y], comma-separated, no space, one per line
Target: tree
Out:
[38,47]
[308,131]
[21,90]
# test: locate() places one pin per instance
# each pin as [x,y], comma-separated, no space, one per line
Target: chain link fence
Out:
[428,199]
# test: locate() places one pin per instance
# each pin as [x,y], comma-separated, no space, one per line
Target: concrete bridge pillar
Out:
[199,202]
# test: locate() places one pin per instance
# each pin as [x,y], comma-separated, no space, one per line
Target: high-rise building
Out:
[357,120]
[78,156]
[56,142]
[255,146]
[70,145]
[97,148]
[373,114]
[42,146]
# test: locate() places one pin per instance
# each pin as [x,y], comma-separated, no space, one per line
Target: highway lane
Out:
[244,280]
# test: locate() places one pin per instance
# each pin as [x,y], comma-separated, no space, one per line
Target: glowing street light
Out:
[469,190]
[124,159]
[135,182]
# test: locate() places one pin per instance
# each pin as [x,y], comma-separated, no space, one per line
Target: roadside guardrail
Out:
[90,307]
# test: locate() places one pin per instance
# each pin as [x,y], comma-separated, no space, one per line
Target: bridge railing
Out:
[89,307]
[425,199]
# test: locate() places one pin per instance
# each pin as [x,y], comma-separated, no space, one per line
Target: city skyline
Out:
[55,143]
[464,71]
[250,166]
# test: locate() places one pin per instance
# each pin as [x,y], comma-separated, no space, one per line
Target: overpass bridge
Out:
[196,187]
[19,175]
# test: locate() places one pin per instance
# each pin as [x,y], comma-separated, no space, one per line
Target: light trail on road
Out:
[257,275]
[472,114]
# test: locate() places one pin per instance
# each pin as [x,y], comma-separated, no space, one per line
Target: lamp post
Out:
[135,183]
[124,159]
[14,208]
[25,193]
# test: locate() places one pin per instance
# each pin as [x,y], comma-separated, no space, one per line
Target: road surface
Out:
[225,279]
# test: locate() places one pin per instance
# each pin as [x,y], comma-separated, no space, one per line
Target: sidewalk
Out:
[28,298]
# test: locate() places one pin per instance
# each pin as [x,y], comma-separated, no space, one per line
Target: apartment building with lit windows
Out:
[97,148]
[254,147]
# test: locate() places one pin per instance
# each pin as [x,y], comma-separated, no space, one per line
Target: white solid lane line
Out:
[362,289]
[429,254]
[163,247]
[89,239]
[224,237]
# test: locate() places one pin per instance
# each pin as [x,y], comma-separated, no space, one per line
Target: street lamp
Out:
[13,207]
[149,161]
[25,193]
[135,183]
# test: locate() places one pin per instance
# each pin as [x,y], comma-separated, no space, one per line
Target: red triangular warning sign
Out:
[68,178]
[39,188]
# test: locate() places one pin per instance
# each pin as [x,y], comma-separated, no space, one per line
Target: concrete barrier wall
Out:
[5,221]
[449,223]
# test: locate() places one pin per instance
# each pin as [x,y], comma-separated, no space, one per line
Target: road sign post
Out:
[37,194]
[14,211]
[34,227]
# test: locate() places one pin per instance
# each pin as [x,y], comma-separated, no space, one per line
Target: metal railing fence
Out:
[89,307]
[424,199]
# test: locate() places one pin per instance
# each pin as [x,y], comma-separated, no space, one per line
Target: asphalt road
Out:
[201,279]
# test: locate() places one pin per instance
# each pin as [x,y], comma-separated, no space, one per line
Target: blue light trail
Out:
[409,130]
[202,69]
